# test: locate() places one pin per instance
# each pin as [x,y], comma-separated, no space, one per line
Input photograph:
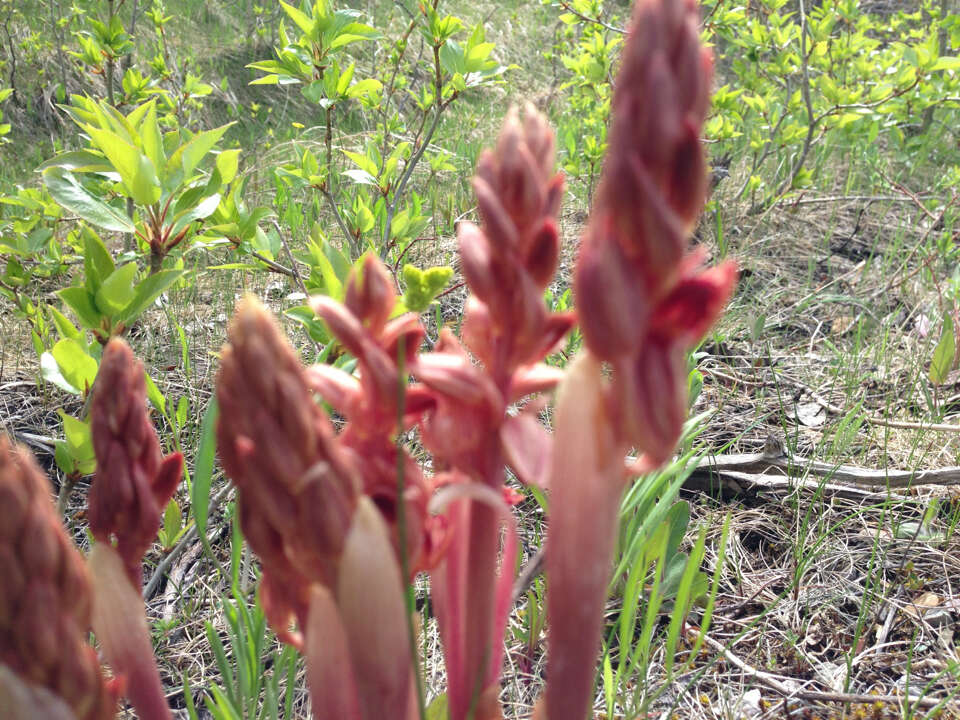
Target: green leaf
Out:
[315,327]
[117,290]
[438,709]
[183,407]
[189,155]
[66,328]
[154,395]
[332,283]
[145,186]
[50,371]
[146,292]
[227,163]
[65,189]
[946,63]
[97,262]
[79,443]
[302,20]
[81,302]
[362,161]
[121,154]
[172,521]
[944,353]
[78,161]
[77,366]
[203,469]
[61,455]
[203,209]
[152,139]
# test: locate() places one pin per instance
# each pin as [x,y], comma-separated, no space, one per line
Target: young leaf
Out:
[117,290]
[50,371]
[146,292]
[944,353]
[76,365]
[79,443]
[422,287]
[227,163]
[65,189]
[172,522]
[203,470]
[81,302]
[189,155]
[65,328]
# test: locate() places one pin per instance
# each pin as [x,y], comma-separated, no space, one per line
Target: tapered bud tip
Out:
[370,293]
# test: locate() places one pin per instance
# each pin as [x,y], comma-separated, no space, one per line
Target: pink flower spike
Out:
[134,481]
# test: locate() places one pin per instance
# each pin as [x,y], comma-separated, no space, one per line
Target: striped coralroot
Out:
[132,486]
[507,262]
[134,481]
[643,301]
[328,561]
[47,669]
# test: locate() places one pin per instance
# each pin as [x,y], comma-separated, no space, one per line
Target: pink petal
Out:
[528,447]
[335,386]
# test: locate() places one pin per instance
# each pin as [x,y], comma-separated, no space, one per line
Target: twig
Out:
[294,272]
[875,420]
[528,573]
[782,689]
[348,236]
[275,266]
[789,464]
[180,547]
[842,198]
[596,21]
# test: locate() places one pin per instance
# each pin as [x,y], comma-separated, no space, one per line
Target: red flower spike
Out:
[650,193]
[278,448]
[134,481]
[329,552]
[133,484]
[643,302]
[506,262]
[47,669]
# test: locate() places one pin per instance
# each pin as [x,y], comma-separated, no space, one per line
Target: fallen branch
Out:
[776,457]
[778,686]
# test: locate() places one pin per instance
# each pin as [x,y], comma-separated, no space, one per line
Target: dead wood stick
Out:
[791,465]
[778,686]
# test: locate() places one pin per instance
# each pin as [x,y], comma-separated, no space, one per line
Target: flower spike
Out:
[133,484]
[328,554]
[47,669]
[643,302]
